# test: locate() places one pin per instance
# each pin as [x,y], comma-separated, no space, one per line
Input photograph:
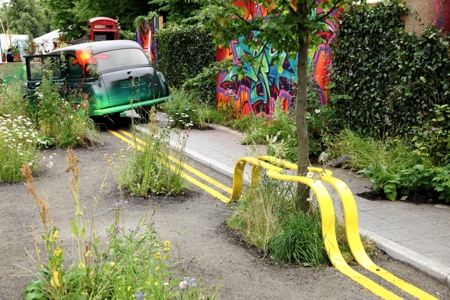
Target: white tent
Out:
[44,43]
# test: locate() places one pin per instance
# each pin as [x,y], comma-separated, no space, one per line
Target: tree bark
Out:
[302,130]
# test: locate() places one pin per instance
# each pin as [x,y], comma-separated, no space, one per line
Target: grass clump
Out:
[125,263]
[63,122]
[148,168]
[300,240]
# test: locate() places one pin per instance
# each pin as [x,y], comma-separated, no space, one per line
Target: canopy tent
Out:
[44,43]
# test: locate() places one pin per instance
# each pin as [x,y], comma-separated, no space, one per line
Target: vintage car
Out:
[115,75]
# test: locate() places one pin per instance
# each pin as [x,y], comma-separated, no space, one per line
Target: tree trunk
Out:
[302,130]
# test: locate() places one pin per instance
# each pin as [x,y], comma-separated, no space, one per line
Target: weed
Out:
[129,263]
[148,169]
[17,146]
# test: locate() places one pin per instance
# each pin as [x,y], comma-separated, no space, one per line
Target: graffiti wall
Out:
[259,91]
[145,33]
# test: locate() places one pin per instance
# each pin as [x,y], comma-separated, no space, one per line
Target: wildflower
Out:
[129,288]
[190,281]
[55,279]
[82,266]
[309,175]
[158,255]
[139,295]
[112,264]
[183,285]
[317,111]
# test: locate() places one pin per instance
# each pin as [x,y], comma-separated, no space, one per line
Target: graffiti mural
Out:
[145,33]
[442,10]
[263,86]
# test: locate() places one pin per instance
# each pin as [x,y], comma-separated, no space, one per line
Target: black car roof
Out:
[98,47]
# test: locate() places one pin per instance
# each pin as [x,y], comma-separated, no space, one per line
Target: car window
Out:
[119,58]
[40,65]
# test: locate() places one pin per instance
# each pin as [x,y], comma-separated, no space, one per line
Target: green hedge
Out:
[385,82]
[183,52]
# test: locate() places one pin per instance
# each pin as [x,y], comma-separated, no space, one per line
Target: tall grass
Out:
[147,169]
[390,152]
[63,122]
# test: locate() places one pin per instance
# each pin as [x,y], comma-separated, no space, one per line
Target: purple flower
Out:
[425,132]
[190,281]
[139,295]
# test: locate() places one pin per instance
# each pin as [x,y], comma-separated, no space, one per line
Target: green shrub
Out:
[186,109]
[432,140]
[385,81]
[183,53]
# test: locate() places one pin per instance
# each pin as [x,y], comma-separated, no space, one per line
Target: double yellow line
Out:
[130,139]
[274,168]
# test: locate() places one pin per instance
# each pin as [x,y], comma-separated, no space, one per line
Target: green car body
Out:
[115,75]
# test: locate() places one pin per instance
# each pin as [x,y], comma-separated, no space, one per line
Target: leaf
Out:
[74,228]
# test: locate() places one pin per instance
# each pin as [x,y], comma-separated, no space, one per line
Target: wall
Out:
[261,88]
[436,12]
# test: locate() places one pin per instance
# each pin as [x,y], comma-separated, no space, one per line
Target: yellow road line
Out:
[208,179]
[188,168]
[352,230]
[327,216]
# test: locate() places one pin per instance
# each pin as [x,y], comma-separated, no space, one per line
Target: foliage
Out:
[186,109]
[177,11]
[63,122]
[300,240]
[17,146]
[148,169]
[192,49]
[382,180]
[71,16]
[25,17]
[392,153]
[385,81]
[259,211]
[432,140]
[125,263]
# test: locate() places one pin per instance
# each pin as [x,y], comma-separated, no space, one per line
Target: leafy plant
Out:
[432,140]
[385,81]
[382,180]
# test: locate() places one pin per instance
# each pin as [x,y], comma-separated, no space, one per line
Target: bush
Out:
[385,81]
[183,53]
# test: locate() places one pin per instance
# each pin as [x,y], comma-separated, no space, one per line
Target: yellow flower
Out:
[112,264]
[166,249]
[157,255]
[55,279]
[148,282]
[166,244]
[57,251]
[55,235]
[129,288]
[157,268]
[135,259]
[82,266]
[156,283]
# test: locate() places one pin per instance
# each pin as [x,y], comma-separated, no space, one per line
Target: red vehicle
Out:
[102,29]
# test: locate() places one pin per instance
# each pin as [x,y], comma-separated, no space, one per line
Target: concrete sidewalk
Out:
[418,235]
